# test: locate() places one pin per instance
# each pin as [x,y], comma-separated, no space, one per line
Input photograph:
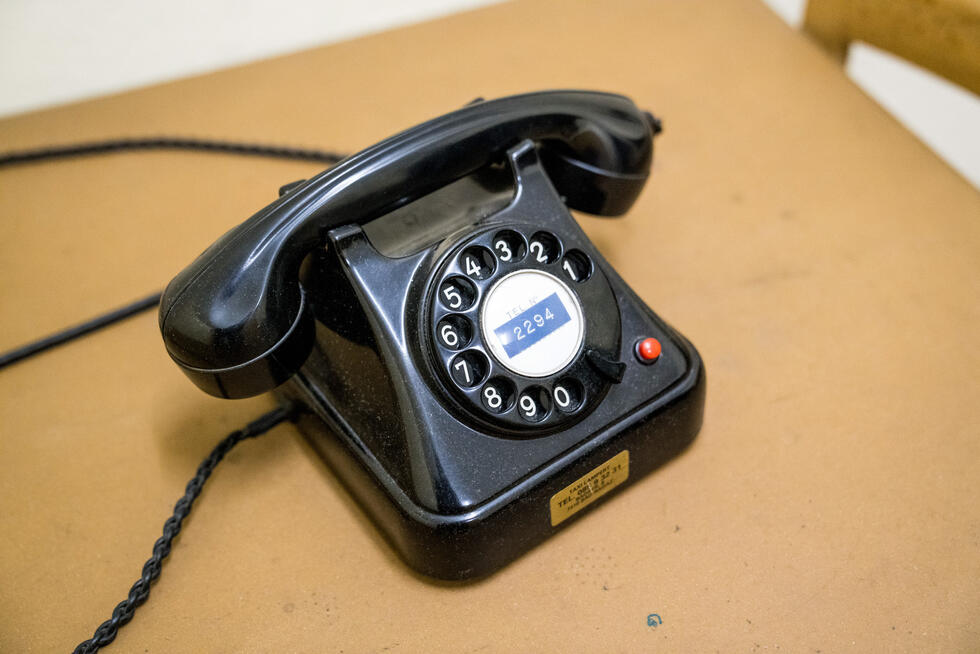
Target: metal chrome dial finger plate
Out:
[512,314]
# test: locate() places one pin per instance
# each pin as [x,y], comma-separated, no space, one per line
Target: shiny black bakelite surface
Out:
[457,491]
[236,319]
[363,295]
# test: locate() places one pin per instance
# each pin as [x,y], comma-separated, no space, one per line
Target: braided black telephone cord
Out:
[166,143]
[112,146]
[140,591]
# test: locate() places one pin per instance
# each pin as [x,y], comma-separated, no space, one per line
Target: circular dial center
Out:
[532,323]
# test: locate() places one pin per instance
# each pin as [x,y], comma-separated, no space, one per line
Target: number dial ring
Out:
[602,332]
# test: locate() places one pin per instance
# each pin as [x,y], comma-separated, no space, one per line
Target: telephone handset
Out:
[471,367]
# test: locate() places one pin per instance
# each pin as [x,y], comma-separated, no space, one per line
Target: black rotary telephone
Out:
[470,366]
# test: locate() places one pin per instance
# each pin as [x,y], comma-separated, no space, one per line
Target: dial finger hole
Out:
[509,246]
[457,293]
[544,248]
[477,262]
[534,404]
[568,395]
[576,266]
[469,368]
[454,332]
[497,395]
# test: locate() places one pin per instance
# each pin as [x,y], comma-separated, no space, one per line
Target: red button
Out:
[648,350]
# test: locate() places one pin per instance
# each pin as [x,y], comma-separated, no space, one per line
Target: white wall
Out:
[57,51]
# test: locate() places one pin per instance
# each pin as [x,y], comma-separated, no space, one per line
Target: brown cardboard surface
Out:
[822,260]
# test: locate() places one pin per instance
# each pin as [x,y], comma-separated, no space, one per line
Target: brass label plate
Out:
[588,488]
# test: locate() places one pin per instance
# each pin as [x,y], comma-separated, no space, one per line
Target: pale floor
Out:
[57,52]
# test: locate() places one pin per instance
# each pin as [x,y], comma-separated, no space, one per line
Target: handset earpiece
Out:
[588,184]
[236,319]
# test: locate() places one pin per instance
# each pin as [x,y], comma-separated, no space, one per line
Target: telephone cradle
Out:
[466,361]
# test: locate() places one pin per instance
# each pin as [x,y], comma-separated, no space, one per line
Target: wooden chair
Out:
[941,35]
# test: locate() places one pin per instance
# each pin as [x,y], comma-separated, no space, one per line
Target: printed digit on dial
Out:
[509,246]
[544,248]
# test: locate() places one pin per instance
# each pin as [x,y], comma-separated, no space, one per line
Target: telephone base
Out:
[483,539]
